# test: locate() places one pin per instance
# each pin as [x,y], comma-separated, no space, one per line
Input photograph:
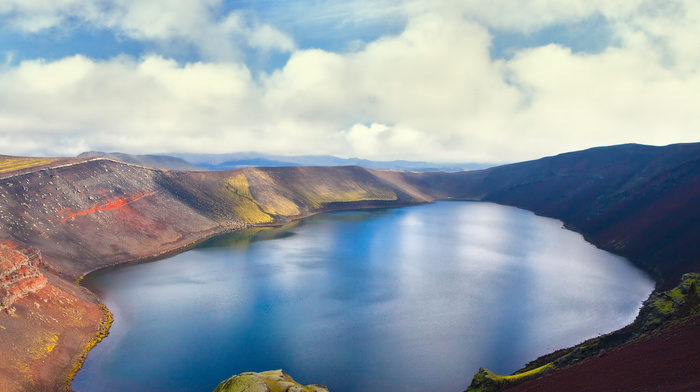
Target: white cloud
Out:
[527,15]
[202,24]
[431,92]
[36,15]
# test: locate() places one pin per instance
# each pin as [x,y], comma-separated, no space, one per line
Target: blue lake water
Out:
[410,299]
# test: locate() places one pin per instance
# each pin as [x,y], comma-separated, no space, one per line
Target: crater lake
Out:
[408,299]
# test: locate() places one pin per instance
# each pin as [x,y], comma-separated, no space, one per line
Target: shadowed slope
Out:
[641,202]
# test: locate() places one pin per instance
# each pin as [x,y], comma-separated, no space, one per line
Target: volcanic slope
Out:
[83,215]
[640,202]
[101,212]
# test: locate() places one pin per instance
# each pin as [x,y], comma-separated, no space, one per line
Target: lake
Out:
[408,299]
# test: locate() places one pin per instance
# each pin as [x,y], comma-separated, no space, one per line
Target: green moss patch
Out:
[270,381]
[236,193]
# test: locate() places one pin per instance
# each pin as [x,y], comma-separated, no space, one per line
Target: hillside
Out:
[640,202]
[81,214]
[86,214]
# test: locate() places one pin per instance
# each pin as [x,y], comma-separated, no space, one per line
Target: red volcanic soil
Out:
[668,361]
[43,340]
[109,205]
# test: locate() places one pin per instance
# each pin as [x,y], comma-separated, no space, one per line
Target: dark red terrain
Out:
[668,361]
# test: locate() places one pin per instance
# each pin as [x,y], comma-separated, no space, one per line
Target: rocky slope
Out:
[47,326]
[82,214]
[101,212]
[19,274]
[87,214]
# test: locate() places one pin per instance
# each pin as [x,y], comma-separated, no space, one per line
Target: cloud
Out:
[36,15]
[431,91]
[527,15]
[202,24]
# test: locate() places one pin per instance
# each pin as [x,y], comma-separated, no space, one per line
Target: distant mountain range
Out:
[195,162]
[156,161]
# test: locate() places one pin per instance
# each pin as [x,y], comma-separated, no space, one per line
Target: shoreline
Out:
[105,326]
[103,330]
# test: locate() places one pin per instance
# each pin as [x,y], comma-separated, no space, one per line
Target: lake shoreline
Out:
[101,333]
[277,224]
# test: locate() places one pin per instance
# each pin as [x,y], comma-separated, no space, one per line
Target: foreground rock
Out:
[270,381]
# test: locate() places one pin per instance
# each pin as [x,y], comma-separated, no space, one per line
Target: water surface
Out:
[411,299]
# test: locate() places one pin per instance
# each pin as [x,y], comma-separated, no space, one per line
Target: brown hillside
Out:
[84,215]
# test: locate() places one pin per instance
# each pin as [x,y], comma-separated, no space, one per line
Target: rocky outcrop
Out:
[270,381]
[19,273]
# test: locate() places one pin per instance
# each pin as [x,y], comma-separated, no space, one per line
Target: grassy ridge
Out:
[236,190]
[8,163]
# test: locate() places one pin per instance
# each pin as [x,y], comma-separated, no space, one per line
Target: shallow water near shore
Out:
[409,299]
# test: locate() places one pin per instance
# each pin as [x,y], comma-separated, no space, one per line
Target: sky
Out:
[437,80]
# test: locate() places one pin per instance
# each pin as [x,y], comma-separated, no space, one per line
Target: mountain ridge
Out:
[642,202]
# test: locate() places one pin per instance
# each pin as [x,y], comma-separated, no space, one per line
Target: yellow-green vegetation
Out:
[657,313]
[15,163]
[44,345]
[270,381]
[485,380]
[237,192]
[320,194]
[273,202]
[295,191]
[521,376]
[102,333]
[682,299]
[328,196]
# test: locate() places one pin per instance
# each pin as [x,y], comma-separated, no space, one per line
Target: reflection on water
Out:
[410,299]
